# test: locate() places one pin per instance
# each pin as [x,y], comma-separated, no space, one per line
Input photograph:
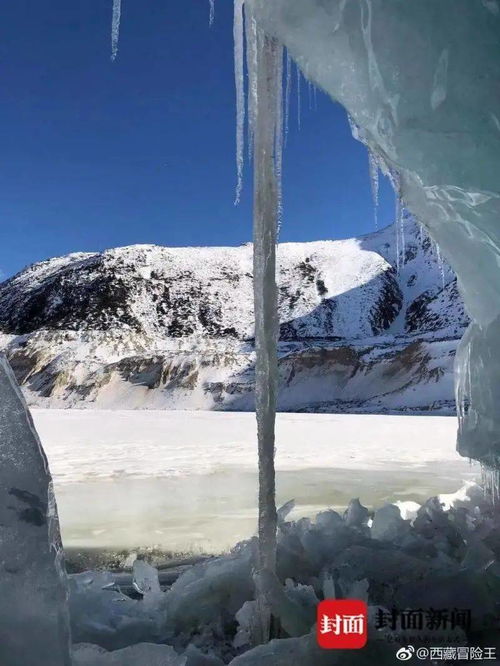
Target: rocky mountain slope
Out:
[155,327]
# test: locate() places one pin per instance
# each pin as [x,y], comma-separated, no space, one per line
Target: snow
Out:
[186,480]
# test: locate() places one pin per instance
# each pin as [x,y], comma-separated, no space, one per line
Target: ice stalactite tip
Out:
[115,28]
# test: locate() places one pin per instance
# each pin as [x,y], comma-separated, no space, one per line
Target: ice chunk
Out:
[34,620]
[356,515]
[388,525]
[102,615]
[211,593]
[143,654]
[146,579]
[195,657]
[295,616]
[248,624]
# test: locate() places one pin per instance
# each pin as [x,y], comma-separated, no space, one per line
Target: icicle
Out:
[238,29]
[401,223]
[251,47]
[212,12]
[288,92]
[374,182]
[299,100]
[266,210]
[278,137]
[440,264]
[396,224]
[115,28]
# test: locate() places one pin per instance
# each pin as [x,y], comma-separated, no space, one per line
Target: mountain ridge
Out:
[147,326]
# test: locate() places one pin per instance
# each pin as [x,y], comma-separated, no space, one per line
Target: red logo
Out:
[342,625]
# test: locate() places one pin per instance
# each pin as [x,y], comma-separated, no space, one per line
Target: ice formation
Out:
[212,12]
[34,621]
[374,183]
[267,138]
[419,86]
[440,555]
[115,28]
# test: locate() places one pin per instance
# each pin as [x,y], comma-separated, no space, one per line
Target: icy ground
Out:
[186,481]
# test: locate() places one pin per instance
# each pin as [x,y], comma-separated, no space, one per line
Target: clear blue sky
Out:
[96,155]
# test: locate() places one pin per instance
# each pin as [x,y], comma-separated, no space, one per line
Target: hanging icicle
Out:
[239,46]
[401,223]
[288,92]
[440,264]
[266,213]
[251,48]
[374,183]
[212,12]
[299,98]
[115,28]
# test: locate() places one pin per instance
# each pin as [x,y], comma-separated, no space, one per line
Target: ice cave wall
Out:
[421,80]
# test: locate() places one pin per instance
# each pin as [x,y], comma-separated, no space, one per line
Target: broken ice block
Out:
[34,621]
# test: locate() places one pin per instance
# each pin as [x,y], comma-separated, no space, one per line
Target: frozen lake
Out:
[187,480]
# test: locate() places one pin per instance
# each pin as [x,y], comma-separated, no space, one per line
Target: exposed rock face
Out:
[153,327]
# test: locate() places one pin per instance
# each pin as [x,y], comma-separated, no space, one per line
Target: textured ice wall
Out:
[34,621]
[421,80]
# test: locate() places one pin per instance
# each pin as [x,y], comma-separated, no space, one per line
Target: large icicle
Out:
[251,47]
[239,48]
[212,12]
[288,92]
[374,183]
[299,97]
[266,207]
[115,28]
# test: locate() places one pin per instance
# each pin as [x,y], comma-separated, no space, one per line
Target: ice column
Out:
[34,623]
[267,151]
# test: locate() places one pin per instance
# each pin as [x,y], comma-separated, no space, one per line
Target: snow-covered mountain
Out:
[154,327]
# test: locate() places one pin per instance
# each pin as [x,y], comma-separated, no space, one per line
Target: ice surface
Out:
[417,78]
[34,622]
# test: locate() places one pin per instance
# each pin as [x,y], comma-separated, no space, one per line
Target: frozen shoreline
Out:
[186,481]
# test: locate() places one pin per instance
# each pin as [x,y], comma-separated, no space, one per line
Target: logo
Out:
[342,624]
[405,653]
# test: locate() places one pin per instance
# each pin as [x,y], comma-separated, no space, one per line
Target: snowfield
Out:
[187,480]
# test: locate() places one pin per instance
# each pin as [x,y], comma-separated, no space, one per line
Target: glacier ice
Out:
[418,80]
[34,620]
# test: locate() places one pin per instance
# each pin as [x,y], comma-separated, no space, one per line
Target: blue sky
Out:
[98,154]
